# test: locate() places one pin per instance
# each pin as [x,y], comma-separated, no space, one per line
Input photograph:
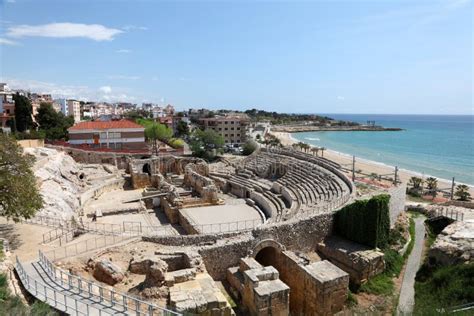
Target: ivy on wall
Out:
[365,221]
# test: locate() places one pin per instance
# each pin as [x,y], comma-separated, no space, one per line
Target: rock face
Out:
[105,271]
[62,180]
[454,245]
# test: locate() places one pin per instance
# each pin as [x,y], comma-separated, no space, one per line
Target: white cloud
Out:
[341,98]
[134,27]
[4,41]
[123,51]
[11,1]
[78,92]
[122,77]
[95,32]
[105,89]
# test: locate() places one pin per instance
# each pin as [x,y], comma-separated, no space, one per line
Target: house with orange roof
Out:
[123,134]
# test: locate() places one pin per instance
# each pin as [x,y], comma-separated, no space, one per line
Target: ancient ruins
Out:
[177,232]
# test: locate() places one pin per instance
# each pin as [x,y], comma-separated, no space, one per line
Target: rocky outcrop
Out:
[153,267]
[454,245]
[105,271]
[62,181]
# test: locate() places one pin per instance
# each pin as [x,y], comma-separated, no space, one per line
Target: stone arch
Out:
[267,243]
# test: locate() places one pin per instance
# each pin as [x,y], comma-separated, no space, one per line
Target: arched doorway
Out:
[267,256]
[146,169]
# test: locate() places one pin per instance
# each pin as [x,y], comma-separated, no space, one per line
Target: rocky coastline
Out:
[310,128]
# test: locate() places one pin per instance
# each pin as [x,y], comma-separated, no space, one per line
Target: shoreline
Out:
[306,128]
[369,166]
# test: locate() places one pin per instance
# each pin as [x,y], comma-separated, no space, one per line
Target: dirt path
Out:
[407,293]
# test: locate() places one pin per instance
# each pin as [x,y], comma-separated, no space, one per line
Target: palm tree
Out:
[322,151]
[415,182]
[315,151]
[462,192]
[301,145]
[432,185]
[306,147]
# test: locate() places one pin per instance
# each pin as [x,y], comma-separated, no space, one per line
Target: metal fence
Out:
[85,246]
[48,221]
[446,212]
[96,292]
[53,297]
[228,227]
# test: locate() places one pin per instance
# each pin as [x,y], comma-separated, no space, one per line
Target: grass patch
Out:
[411,230]
[443,287]
[382,284]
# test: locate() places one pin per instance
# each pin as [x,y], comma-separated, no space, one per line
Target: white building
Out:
[74,109]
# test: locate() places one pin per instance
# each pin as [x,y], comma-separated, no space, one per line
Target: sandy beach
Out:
[366,166]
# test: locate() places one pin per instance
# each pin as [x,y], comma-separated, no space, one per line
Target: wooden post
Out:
[353,167]
[452,189]
[395,180]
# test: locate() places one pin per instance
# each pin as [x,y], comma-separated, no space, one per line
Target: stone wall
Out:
[397,202]
[302,235]
[107,186]
[120,160]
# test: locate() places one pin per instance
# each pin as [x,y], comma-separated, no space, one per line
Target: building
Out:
[74,109]
[63,106]
[232,128]
[7,106]
[122,134]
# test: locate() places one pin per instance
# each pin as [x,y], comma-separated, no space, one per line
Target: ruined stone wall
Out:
[397,202]
[226,249]
[92,157]
[107,186]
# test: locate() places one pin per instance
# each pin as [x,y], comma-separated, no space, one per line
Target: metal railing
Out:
[228,227]
[48,221]
[55,298]
[446,212]
[86,246]
[56,233]
[96,292]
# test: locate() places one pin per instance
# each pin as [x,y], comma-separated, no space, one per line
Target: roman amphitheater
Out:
[176,235]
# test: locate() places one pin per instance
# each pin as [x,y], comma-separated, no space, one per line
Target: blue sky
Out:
[307,57]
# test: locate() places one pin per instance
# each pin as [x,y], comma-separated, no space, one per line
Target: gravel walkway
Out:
[407,293]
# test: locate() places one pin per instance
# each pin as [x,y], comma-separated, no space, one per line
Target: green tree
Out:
[432,185]
[415,182]
[249,147]
[54,124]
[206,144]
[462,192]
[23,112]
[19,195]
[157,132]
[182,129]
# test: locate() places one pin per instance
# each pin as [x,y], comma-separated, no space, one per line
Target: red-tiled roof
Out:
[104,125]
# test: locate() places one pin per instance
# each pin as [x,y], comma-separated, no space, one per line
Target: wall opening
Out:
[146,169]
[268,257]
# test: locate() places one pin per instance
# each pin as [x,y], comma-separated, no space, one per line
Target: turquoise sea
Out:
[438,145]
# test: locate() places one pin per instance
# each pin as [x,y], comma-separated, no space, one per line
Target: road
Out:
[407,293]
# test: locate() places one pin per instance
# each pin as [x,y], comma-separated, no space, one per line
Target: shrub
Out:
[249,147]
[443,287]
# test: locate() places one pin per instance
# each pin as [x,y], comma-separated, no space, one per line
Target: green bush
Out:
[381,284]
[176,143]
[365,221]
[443,287]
